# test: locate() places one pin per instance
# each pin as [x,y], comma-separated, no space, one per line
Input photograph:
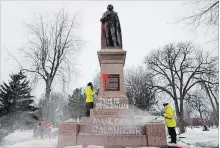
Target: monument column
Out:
[111,59]
[112,74]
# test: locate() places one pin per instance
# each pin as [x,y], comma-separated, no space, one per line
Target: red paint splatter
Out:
[103,26]
[104,78]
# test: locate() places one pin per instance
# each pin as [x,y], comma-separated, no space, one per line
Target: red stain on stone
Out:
[104,78]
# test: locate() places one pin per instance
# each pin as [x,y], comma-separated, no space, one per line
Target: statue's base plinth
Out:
[112,127]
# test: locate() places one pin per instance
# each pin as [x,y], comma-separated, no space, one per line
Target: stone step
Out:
[69,136]
[108,111]
[112,130]
[112,140]
[156,133]
[85,121]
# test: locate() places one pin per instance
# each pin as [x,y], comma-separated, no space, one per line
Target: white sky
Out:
[146,25]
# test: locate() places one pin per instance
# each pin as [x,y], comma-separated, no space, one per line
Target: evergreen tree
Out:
[5,95]
[16,96]
[1,107]
[76,105]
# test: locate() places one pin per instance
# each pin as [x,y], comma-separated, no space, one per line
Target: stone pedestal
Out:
[68,132]
[112,74]
[111,123]
[156,133]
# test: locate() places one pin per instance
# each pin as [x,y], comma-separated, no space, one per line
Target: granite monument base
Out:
[112,128]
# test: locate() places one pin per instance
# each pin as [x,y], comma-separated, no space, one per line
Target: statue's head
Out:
[110,7]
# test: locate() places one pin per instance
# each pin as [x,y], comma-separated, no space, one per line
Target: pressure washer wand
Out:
[157,117]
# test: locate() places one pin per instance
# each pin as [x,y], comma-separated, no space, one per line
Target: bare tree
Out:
[213,97]
[188,112]
[209,82]
[205,12]
[96,81]
[138,88]
[56,105]
[198,101]
[53,44]
[175,70]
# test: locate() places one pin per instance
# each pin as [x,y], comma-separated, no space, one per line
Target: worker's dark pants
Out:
[172,133]
[89,105]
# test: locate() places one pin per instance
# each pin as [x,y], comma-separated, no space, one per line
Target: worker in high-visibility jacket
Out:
[170,121]
[89,98]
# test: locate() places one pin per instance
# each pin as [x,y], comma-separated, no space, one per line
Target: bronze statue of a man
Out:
[110,30]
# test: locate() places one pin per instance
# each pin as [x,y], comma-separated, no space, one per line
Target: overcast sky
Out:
[146,25]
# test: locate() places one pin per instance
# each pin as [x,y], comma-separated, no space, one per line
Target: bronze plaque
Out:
[112,82]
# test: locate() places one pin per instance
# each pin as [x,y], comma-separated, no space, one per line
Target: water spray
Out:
[156,117]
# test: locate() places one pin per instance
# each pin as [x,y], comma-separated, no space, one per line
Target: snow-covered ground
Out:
[195,138]
[34,143]
[18,136]
[22,136]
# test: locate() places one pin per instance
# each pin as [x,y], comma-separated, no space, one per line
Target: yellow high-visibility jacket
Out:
[89,94]
[170,120]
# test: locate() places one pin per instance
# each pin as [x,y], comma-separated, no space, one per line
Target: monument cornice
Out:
[111,56]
